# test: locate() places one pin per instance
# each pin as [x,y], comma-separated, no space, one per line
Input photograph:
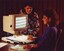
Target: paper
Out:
[2,44]
[19,48]
[22,38]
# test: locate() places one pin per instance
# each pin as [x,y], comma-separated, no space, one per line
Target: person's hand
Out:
[27,47]
[30,37]
[35,45]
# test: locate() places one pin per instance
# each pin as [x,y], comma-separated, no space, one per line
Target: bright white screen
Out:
[20,22]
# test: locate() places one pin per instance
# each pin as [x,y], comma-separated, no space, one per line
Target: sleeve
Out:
[48,38]
[36,24]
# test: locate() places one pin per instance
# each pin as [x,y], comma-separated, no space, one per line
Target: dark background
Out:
[13,6]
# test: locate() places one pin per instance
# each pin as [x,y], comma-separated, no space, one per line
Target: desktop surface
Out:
[21,38]
[13,47]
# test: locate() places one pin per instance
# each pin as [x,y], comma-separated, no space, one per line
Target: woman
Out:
[47,41]
[33,19]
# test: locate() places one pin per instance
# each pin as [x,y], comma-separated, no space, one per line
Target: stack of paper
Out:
[2,44]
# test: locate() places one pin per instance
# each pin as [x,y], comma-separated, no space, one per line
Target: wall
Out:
[14,6]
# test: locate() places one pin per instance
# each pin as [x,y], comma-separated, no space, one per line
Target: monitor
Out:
[20,21]
[15,22]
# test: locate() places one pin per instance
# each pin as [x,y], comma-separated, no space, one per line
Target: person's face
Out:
[28,9]
[45,19]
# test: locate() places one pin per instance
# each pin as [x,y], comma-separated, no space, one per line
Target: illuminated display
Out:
[20,22]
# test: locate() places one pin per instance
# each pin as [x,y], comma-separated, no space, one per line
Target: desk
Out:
[5,48]
[22,38]
[13,47]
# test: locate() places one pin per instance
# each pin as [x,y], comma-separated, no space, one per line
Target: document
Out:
[2,44]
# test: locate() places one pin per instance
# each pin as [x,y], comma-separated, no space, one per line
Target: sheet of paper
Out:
[22,38]
[2,44]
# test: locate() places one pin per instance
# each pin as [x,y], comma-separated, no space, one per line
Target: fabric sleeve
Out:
[48,38]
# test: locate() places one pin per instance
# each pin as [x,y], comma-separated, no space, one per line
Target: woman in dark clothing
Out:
[48,40]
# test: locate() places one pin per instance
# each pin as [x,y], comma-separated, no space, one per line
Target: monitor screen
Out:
[20,21]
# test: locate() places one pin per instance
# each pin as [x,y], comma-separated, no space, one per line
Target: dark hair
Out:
[27,4]
[50,13]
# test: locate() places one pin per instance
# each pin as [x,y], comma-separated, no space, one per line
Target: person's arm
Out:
[48,38]
[37,24]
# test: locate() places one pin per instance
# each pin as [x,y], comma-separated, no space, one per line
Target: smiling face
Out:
[46,20]
[28,9]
